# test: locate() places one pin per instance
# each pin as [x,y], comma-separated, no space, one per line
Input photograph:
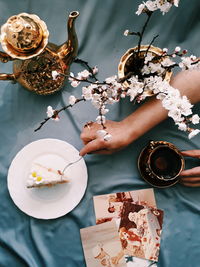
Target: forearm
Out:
[152,112]
[139,122]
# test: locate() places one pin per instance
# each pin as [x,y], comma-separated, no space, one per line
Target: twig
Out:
[56,112]
[154,38]
[85,80]
[143,30]
[126,77]
[78,60]
[134,33]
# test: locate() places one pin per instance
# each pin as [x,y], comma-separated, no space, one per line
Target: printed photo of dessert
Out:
[109,207]
[140,229]
[102,246]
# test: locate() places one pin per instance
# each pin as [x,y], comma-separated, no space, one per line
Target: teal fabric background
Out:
[25,241]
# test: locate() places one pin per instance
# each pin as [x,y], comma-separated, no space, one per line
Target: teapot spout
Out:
[68,51]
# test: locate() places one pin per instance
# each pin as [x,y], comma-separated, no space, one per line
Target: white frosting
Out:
[43,175]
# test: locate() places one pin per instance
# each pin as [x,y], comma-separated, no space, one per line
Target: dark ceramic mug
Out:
[160,163]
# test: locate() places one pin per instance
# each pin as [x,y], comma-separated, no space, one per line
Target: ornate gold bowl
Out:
[127,61]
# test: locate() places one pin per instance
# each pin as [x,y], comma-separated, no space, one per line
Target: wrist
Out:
[129,130]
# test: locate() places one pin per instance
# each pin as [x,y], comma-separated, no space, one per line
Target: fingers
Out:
[94,145]
[191,153]
[87,135]
[191,172]
[191,184]
[190,177]
[89,132]
[190,181]
[105,151]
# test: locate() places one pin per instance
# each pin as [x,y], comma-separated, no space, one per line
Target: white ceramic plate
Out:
[47,202]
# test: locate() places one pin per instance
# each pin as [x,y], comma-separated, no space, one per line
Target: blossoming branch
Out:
[146,75]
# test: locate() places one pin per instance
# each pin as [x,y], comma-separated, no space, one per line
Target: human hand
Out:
[191,177]
[95,144]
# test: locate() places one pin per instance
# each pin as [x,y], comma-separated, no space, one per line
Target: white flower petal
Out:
[107,137]
[101,133]
[195,119]
[193,133]
[72,100]
[50,111]
[55,74]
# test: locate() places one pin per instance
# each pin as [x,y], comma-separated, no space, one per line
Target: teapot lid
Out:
[24,36]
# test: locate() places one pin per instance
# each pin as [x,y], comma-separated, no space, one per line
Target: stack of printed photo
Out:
[127,231]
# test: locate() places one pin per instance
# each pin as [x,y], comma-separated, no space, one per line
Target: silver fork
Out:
[69,164]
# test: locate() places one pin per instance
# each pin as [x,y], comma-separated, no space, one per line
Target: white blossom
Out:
[193,133]
[148,58]
[165,50]
[193,58]
[167,62]
[104,94]
[107,137]
[156,67]
[87,93]
[101,133]
[176,2]
[135,87]
[75,83]
[123,95]
[55,74]
[182,126]
[50,111]
[141,7]
[132,93]
[177,49]
[185,63]
[96,104]
[72,100]
[71,76]
[95,70]
[111,79]
[195,119]
[96,97]
[101,119]
[163,5]
[126,32]
[176,115]
[104,111]
[160,96]
[83,75]
[151,5]
[146,70]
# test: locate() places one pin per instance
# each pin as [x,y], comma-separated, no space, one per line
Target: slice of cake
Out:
[43,176]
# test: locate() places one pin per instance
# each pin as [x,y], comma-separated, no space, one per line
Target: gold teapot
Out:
[24,39]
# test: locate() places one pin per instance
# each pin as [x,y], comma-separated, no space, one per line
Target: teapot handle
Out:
[6,76]
[5,58]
